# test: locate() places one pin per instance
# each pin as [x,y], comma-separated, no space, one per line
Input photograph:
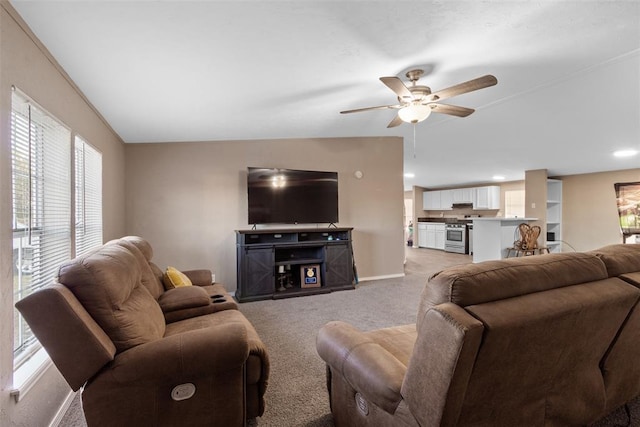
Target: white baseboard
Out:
[388,276]
[63,409]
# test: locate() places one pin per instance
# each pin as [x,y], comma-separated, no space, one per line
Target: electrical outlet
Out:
[533,205]
[213,278]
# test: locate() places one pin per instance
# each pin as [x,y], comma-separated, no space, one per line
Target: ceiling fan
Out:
[417,102]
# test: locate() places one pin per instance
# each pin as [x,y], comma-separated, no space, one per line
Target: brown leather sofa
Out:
[549,340]
[621,367]
[107,334]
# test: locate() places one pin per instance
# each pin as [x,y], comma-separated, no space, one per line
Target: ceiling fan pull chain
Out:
[414,140]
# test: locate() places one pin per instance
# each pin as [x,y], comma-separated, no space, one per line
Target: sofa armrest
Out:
[441,364]
[183,298]
[181,357]
[63,326]
[365,365]
[200,277]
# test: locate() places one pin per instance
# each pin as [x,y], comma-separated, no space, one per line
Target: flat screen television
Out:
[287,196]
[628,201]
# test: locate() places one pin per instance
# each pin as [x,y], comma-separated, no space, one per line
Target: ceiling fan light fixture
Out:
[414,113]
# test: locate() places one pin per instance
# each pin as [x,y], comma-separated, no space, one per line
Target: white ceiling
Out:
[568,73]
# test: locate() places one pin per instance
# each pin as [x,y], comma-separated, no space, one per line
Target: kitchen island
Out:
[492,236]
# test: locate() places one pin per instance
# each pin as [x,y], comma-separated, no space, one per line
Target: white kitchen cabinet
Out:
[463,195]
[422,235]
[446,200]
[431,200]
[439,231]
[487,197]
[431,235]
[437,200]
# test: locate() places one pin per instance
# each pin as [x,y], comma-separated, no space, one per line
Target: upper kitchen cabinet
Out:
[463,195]
[482,198]
[487,198]
[431,200]
[446,200]
[439,200]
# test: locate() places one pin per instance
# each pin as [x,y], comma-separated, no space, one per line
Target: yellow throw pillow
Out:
[174,278]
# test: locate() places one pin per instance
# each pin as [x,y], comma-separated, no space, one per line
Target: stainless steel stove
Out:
[456,238]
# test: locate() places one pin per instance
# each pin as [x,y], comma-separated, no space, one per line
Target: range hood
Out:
[466,205]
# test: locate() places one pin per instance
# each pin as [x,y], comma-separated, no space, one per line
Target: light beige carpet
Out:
[296,395]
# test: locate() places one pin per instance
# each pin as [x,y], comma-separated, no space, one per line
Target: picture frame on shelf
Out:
[310,276]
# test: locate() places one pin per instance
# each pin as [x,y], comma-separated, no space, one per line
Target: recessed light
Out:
[625,153]
[409,175]
[498,178]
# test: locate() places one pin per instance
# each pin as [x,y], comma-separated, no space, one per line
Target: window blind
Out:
[88,197]
[41,190]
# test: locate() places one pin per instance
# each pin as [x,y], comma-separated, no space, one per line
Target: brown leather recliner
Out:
[107,334]
[180,303]
[536,341]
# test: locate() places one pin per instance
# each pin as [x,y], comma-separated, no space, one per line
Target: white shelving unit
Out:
[554,214]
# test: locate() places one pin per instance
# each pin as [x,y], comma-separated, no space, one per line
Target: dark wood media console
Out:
[270,262]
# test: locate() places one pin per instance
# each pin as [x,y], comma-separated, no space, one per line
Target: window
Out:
[514,203]
[42,220]
[40,148]
[88,185]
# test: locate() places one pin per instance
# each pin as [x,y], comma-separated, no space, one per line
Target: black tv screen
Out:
[286,196]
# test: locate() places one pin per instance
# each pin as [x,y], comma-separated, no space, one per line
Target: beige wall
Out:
[188,198]
[25,64]
[590,215]
[535,198]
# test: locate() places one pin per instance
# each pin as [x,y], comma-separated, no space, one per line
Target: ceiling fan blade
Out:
[381,107]
[452,110]
[396,85]
[397,121]
[459,89]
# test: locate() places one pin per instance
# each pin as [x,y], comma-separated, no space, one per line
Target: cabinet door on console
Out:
[338,266]
[259,271]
